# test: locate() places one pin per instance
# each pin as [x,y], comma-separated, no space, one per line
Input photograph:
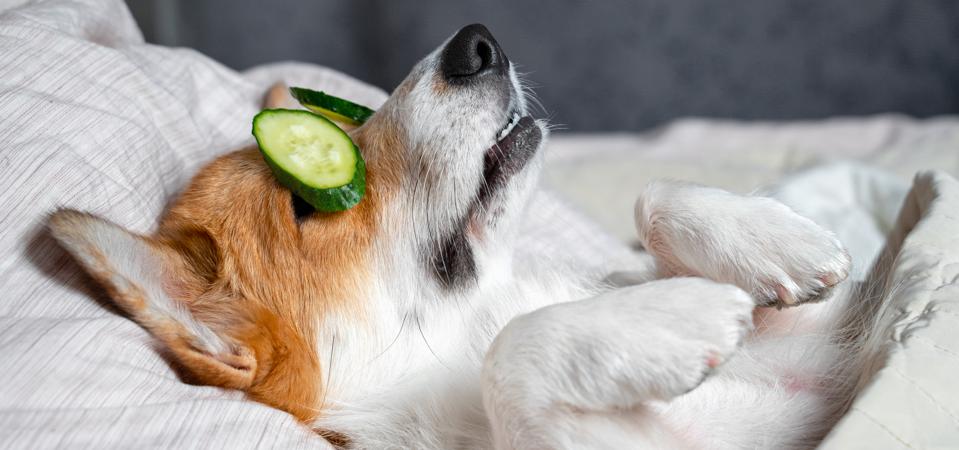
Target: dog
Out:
[404,322]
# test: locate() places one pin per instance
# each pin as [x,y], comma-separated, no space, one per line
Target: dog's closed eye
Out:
[301,209]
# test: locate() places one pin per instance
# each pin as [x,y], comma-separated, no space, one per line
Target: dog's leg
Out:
[756,243]
[580,373]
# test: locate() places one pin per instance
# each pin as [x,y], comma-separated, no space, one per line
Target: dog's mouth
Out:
[513,117]
[515,145]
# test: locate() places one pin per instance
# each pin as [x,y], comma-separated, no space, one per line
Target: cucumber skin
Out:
[335,199]
[356,114]
[327,200]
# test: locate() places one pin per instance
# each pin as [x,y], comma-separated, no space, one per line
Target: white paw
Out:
[697,325]
[652,341]
[612,352]
[756,243]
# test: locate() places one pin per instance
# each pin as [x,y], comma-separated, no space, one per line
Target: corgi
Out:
[405,322]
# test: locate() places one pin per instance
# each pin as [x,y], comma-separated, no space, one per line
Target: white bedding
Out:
[739,156]
[94,119]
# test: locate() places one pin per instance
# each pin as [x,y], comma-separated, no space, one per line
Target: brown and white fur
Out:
[403,323]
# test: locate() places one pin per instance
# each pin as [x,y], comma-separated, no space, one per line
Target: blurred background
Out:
[616,65]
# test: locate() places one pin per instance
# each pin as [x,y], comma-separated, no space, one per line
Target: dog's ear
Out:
[157,282]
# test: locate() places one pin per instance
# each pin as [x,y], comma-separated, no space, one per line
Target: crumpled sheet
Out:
[601,174]
[913,400]
[93,118]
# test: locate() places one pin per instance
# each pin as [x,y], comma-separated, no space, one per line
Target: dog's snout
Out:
[473,52]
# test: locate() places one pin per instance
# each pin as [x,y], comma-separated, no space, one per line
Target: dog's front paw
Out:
[756,243]
[693,326]
[612,352]
[652,341]
[804,267]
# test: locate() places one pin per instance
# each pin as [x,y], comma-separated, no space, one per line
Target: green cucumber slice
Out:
[334,108]
[312,157]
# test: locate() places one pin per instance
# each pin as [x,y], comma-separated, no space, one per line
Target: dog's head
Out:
[241,281]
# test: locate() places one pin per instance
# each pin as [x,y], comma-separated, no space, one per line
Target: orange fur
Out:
[278,96]
[231,252]
[274,278]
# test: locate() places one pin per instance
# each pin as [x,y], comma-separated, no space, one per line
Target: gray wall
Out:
[617,65]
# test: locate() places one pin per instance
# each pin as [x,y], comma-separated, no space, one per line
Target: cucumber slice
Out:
[312,157]
[334,108]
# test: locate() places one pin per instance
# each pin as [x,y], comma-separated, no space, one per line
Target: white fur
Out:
[701,231]
[549,369]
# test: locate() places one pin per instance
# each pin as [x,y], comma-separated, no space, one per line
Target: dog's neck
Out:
[411,374]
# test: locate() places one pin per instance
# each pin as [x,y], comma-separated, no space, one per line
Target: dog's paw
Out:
[648,342]
[756,243]
[613,352]
[809,264]
[700,326]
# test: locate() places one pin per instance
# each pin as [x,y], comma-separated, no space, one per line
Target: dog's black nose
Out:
[472,52]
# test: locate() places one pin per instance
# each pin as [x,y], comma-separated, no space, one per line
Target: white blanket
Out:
[93,118]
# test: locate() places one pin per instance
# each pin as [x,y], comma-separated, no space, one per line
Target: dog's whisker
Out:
[329,370]
[419,327]
[395,338]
